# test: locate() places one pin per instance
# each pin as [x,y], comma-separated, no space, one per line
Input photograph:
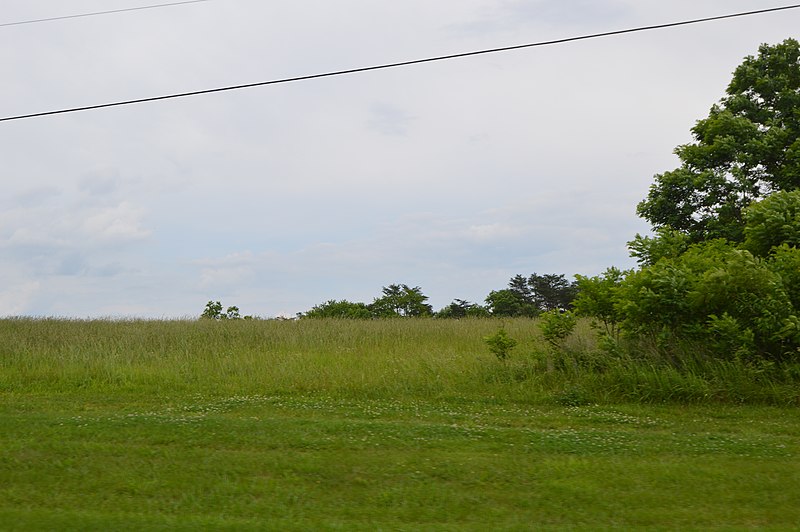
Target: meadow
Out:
[402,424]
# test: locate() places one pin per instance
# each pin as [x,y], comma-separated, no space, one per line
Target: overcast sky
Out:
[453,176]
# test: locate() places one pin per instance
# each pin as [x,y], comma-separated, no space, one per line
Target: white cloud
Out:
[228,272]
[118,223]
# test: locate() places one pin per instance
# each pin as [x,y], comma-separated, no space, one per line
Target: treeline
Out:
[525,296]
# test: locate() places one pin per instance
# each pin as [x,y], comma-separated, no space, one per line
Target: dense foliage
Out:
[340,309]
[721,274]
[773,222]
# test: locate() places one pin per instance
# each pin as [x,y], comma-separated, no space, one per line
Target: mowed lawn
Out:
[117,453]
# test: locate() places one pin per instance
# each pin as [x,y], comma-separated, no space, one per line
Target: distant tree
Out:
[529,296]
[460,308]
[398,300]
[520,286]
[552,292]
[747,148]
[339,309]
[213,311]
[509,303]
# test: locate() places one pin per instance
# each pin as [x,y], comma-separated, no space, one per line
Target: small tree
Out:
[598,298]
[500,343]
[556,326]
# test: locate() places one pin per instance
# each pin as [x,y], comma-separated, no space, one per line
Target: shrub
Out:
[339,309]
[598,299]
[556,326]
[713,293]
[500,343]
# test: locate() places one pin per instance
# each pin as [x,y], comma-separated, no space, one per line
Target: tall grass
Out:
[351,357]
[372,358]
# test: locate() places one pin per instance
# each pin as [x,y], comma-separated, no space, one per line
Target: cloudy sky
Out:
[453,176]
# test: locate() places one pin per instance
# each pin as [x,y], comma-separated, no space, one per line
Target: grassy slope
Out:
[401,425]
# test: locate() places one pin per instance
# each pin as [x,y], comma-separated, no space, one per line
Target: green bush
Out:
[598,299]
[500,343]
[713,293]
[556,326]
[339,309]
[772,222]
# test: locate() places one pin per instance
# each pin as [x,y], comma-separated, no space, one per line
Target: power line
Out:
[95,13]
[399,64]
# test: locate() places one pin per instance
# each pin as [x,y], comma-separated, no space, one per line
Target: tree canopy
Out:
[399,300]
[773,221]
[340,309]
[747,148]
[529,296]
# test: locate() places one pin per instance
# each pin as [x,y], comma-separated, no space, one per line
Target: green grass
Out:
[399,425]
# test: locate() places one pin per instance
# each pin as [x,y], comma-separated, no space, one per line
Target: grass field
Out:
[393,425]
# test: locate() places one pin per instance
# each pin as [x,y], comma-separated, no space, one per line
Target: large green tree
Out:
[747,148]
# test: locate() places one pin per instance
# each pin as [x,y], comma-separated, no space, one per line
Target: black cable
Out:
[402,63]
[100,13]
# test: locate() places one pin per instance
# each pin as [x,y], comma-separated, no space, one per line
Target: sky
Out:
[453,176]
